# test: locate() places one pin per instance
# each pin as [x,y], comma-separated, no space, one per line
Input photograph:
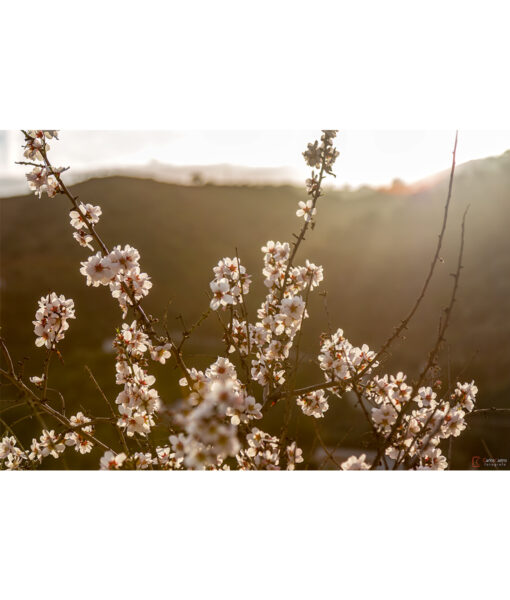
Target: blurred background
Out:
[187,199]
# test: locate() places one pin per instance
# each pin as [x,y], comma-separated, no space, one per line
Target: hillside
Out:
[375,247]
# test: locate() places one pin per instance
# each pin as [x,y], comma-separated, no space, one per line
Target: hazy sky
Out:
[365,157]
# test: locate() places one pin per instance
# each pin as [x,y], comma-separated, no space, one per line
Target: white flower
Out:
[85,212]
[276,251]
[38,381]
[294,456]
[341,360]
[161,353]
[83,238]
[142,460]
[306,210]
[41,134]
[134,421]
[355,464]
[110,461]
[98,270]
[433,461]
[312,155]
[465,395]
[293,307]
[401,393]
[384,416]
[221,296]
[252,408]
[127,258]
[134,338]
[197,457]
[262,453]
[426,398]
[73,438]
[7,446]
[222,369]
[230,283]
[14,461]
[228,268]
[40,180]
[51,444]
[178,443]
[139,282]
[166,459]
[51,318]
[453,423]
[35,451]
[314,404]
[133,280]
[33,149]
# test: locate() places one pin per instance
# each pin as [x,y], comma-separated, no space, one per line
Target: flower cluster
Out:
[167,460]
[230,284]
[324,154]
[120,270]
[294,456]
[49,444]
[417,421]
[74,438]
[161,353]
[138,401]
[164,459]
[41,180]
[464,396]
[210,416]
[11,457]
[52,319]
[281,314]
[314,404]
[355,464]
[276,256]
[263,453]
[36,141]
[81,220]
[111,461]
[341,361]
[321,156]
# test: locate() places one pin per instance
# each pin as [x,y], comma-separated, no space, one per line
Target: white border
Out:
[273,64]
[254,535]
[270,64]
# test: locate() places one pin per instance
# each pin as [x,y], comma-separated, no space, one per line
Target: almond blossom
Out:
[51,444]
[306,210]
[81,444]
[86,213]
[51,320]
[112,462]
[314,404]
[230,283]
[355,464]
[40,180]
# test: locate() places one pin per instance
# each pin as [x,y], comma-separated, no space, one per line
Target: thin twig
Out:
[405,322]
[108,403]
